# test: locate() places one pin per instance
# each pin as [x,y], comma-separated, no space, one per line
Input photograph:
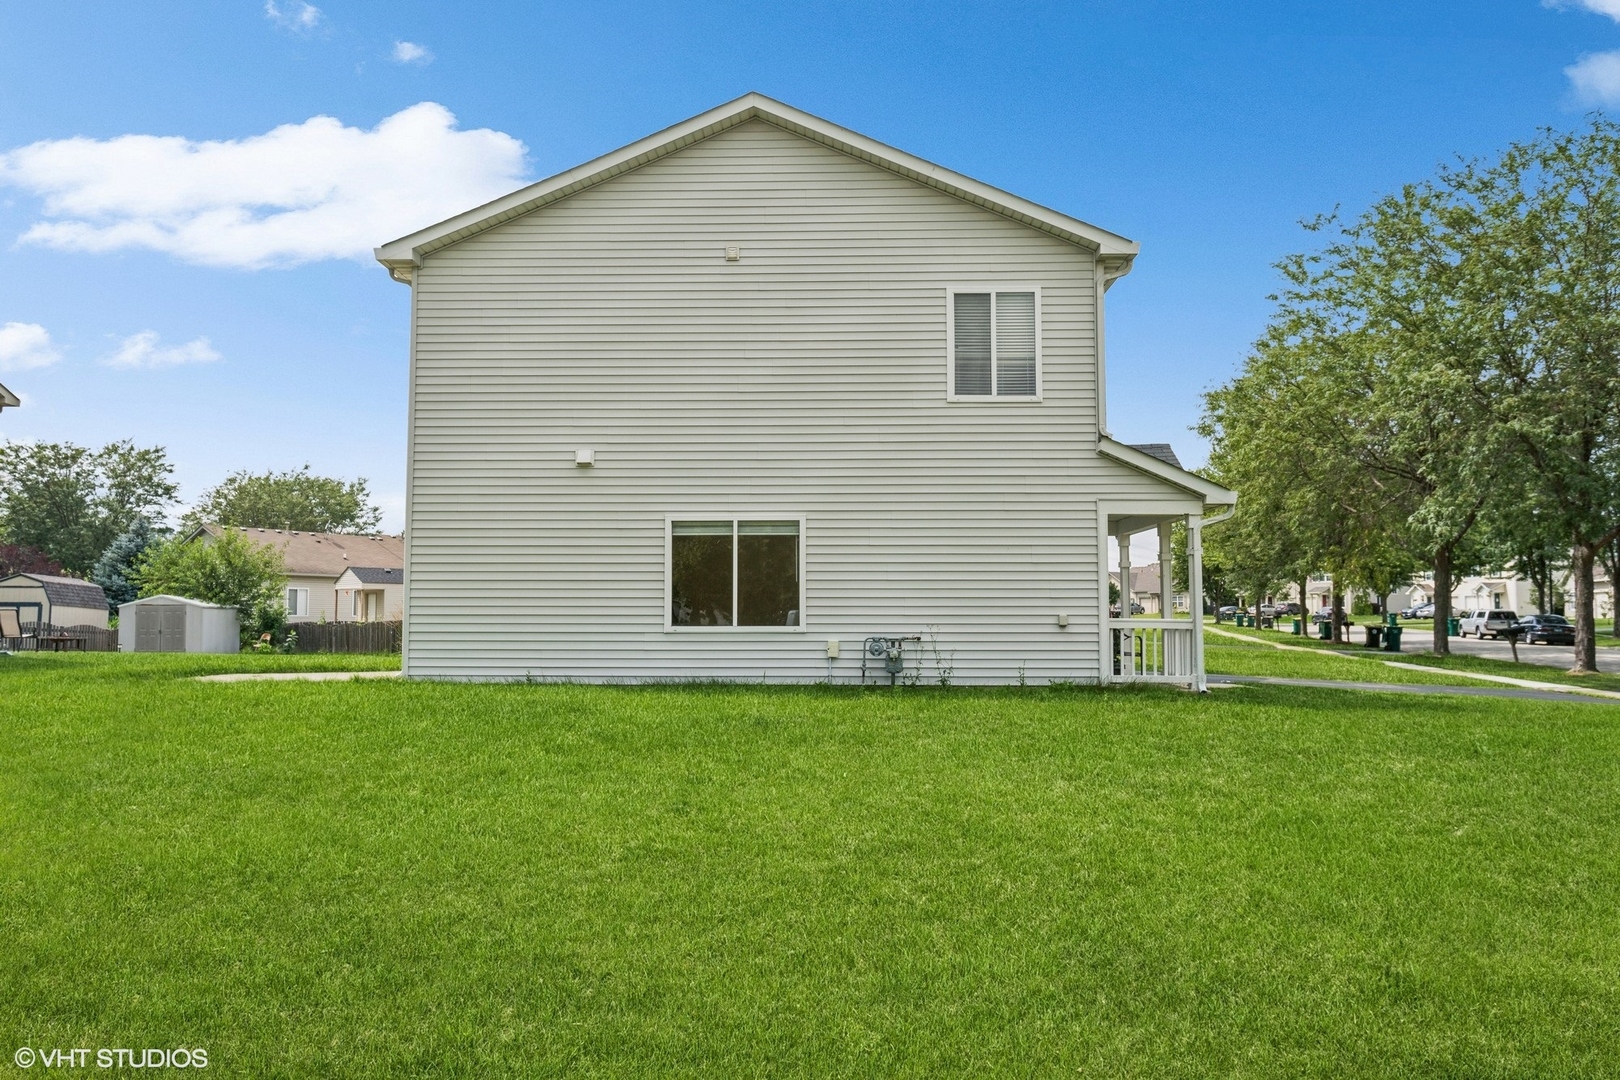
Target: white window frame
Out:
[733,517]
[950,347]
[302,604]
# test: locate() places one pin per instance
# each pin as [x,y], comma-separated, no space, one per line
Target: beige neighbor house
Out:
[47,599]
[371,594]
[8,400]
[735,400]
[316,560]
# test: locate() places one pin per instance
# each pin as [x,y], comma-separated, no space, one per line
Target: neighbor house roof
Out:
[378,575]
[64,591]
[323,554]
[403,255]
[8,400]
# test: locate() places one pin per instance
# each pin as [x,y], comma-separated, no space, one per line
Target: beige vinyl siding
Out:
[809,378]
[322,597]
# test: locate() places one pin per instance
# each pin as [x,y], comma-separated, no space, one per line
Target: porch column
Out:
[1195,595]
[1124,541]
[1167,575]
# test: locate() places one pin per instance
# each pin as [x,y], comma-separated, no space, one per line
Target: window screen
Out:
[734,573]
[700,573]
[995,352]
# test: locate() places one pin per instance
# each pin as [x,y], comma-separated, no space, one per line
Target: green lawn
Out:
[381,878]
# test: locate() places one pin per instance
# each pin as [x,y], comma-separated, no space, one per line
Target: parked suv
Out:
[1483,622]
[1547,630]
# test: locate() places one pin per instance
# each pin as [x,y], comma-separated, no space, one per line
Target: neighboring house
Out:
[315,561]
[733,399]
[8,400]
[1500,590]
[52,600]
[1145,585]
[371,594]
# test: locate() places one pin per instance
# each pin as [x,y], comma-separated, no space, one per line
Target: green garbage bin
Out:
[1299,627]
[1392,639]
[1391,619]
[1324,630]
[1453,626]
[1242,618]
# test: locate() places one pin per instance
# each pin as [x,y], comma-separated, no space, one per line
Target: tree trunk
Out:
[1338,616]
[1580,570]
[1442,601]
[1305,612]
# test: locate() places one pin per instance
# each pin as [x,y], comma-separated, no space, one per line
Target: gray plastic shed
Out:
[177,624]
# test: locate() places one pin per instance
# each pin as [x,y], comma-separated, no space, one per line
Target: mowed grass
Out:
[379,878]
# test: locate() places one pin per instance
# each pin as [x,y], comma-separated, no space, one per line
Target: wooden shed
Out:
[49,600]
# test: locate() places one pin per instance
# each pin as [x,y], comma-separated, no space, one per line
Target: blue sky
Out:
[217,300]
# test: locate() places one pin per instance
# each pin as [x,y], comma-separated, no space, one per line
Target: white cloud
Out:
[1596,78]
[26,345]
[142,351]
[1611,8]
[299,193]
[409,52]
[294,15]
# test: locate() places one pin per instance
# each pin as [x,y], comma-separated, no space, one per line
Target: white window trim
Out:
[733,517]
[991,398]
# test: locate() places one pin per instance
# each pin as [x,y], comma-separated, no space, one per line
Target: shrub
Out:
[228,569]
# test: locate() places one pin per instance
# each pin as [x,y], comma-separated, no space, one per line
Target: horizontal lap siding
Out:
[808,378]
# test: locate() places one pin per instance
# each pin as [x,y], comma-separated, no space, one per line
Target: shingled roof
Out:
[324,554]
[1160,450]
[66,591]
[378,575]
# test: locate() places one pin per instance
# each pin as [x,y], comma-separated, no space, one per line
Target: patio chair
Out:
[11,631]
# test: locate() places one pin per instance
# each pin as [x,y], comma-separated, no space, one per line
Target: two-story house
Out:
[734,399]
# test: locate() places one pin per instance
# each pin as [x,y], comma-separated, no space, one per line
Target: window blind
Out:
[1015,344]
[973,343]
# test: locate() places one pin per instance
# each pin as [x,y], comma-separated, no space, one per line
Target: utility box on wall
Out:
[177,624]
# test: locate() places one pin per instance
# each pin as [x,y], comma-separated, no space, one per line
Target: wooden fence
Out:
[346,637]
[45,637]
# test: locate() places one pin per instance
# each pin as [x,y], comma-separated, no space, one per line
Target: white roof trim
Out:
[8,400]
[402,255]
[1212,493]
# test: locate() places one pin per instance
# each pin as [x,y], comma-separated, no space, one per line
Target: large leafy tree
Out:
[1547,216]
[228,569]
[20,559]
[71,502]
[297,499]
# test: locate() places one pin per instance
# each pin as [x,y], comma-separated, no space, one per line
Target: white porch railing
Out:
[1154,650]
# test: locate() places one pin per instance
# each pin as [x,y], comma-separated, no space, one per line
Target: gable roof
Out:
[403,255]
[64,591]
[322,554]
[1136,457]
[1160,450]
[8,400]
[376,575]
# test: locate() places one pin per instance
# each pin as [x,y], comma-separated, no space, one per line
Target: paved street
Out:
[1559,656]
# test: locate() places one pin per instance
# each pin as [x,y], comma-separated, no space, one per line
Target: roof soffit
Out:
[402,255]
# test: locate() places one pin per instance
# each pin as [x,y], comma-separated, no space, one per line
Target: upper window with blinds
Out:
[994,344]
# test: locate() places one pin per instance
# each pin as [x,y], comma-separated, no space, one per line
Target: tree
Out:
[21,559]
[117,569]
[293,500]
[229,569]
[1548,214]
[71,502]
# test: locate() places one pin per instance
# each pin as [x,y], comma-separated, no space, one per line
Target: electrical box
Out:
[832,649]
[1063,621]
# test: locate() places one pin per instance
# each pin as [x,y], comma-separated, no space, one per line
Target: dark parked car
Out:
[1419,611]
[1289,608]
[1227,611]
[1546,630]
